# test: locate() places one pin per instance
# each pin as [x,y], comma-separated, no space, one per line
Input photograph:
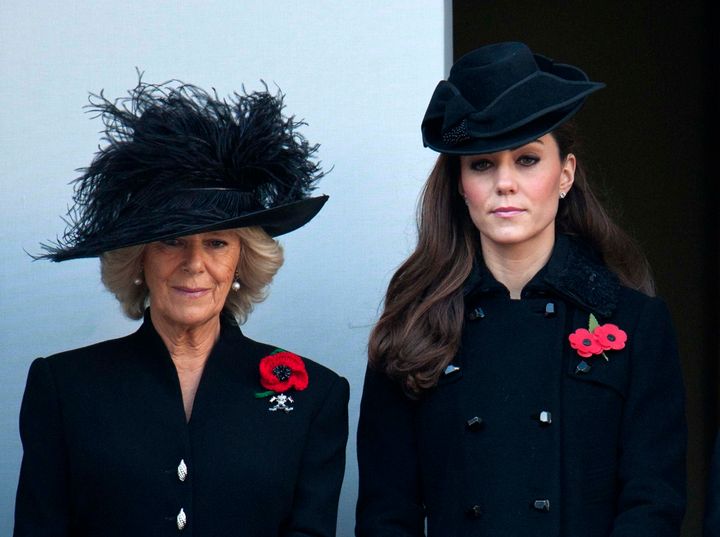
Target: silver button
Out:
[542,505]
[545,417]
[182,470]
[181,519]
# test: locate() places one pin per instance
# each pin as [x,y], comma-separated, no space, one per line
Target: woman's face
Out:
[512,195]
[189,278]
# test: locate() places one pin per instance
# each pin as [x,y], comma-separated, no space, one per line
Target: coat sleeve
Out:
[322,470]
[389,501]
[712,503]
[653,433]
[41,507]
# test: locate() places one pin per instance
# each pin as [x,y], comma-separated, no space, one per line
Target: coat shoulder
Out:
[81,357]
[633,304]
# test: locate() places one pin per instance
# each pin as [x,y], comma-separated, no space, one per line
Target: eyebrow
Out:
[537,141]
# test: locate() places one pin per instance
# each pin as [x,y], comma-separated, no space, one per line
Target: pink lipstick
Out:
[507,212]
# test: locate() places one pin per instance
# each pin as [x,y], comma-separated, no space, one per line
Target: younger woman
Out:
[523,381]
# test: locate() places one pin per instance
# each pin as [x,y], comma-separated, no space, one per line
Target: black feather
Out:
[165,140]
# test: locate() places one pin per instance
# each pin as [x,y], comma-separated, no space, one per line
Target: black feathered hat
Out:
[502,96]
[179,161]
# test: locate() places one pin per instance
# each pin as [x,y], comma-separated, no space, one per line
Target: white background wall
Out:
[360,73]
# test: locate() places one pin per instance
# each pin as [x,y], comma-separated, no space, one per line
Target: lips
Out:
[507,212]
[191,292]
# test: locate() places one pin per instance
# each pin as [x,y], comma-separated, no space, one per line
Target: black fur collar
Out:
[574,271]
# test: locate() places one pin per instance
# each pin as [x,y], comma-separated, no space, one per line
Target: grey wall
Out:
[359,72]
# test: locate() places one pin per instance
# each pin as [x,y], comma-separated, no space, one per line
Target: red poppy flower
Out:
[610,336]
[585,342]
[283,370]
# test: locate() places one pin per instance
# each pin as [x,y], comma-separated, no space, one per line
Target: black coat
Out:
[514,440]
[104,433]
[712,503]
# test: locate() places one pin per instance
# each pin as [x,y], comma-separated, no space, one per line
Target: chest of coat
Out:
[524,424]
[509,367]
[126,430]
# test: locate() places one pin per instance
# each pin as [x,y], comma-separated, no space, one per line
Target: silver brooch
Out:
[280,402]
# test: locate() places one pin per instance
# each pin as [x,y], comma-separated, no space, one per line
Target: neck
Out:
[189,347]
[515,265]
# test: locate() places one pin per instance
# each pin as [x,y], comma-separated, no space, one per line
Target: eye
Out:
[217,243]
[480,164]
[528,160]
[171,242]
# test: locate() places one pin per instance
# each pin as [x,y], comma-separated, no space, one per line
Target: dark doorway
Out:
[652,143]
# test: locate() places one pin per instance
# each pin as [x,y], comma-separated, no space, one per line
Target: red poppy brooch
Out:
[281,371]
[595,340]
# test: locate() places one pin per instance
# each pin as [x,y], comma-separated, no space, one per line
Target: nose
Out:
[505,180]
[194,258]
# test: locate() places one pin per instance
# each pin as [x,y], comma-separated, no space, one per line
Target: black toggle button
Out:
[450,369]
[474,512]
[550,309]
[476,314]
[541,505]
[544,417]
[582,368]
[475,423]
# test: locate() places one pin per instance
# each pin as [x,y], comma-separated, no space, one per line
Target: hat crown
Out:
[501,96]
[483,74]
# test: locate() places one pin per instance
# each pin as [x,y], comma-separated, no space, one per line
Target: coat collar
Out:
[229,375]
[574,272]
[150,337]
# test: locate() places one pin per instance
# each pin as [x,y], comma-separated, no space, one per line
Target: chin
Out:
[507,238]
[189,319]
[518,235]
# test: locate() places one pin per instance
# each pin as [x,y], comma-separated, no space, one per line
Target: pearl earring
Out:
[236,284]
[138,281]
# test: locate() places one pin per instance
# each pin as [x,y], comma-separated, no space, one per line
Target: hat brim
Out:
[529,132]
[275,221]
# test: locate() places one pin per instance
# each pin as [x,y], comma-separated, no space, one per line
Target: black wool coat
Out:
[711,522]
[516,440]
[108,451]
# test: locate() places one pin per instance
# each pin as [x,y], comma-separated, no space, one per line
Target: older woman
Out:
[186,425]
[523,380]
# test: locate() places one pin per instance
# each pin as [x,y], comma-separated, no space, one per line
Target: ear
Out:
[567,174]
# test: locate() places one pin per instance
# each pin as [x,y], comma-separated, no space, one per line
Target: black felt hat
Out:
[502,96]
[178,161]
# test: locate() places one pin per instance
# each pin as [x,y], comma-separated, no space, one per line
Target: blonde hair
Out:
[261,257]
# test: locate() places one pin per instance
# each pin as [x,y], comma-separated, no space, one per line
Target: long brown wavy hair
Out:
[419,332]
